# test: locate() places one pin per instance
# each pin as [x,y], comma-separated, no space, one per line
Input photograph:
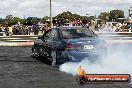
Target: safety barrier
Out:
[115,33]
[16,40]
[2,33]
[116,37]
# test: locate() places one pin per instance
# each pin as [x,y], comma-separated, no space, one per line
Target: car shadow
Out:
[45,61]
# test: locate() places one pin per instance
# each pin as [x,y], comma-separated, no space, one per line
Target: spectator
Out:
[58,23]
[2,29]
[18,30]
[35,29]
[130,26]
[7,31]
[26,30]
[54,22]
[23,30]
[14,30]
[84,22]
[43,28]
[29,29]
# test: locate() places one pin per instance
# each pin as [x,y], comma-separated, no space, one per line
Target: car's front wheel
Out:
[35,53]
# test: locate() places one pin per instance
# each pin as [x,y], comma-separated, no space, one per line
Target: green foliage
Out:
[70,17]
[115,14]
[92,17]
[65,16]
[33,19]
[44,19]
[15,20]
[1,20]
[22,21]
[104,16]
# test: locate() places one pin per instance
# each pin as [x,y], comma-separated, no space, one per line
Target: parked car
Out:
[68,44]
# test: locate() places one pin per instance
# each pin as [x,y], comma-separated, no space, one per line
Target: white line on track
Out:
[10,38]
[18,40]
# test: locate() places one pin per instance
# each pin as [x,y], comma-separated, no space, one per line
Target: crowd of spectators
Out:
[115,27]
[21,29]
[24,29]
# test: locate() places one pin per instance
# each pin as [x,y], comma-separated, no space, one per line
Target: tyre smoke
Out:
[117,61]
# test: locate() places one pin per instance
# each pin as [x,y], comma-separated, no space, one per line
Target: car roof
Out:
[75,27]
[72,27]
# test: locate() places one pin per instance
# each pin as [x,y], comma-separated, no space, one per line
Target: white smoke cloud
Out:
[40,8]
[117,61]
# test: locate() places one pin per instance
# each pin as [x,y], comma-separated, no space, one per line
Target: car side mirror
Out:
[40,37]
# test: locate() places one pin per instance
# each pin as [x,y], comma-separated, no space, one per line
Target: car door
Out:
[46,38]
[50,39]
[53,41]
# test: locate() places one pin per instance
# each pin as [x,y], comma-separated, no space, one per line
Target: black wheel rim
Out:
[35,53]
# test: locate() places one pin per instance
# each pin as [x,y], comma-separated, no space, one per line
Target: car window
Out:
[54,34]
[76,33]
[47,36]
[51,35]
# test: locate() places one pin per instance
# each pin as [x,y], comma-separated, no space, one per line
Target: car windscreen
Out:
[77,33]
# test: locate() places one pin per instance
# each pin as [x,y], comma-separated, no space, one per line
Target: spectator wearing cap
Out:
[84,22]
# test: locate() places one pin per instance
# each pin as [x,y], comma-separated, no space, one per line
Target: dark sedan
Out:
[68,44]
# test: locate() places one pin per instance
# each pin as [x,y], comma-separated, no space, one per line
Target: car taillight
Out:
[71,46]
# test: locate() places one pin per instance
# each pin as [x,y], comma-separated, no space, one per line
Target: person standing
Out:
[84,22]
[7,31]
[35,29]
[2,28]
[26,30]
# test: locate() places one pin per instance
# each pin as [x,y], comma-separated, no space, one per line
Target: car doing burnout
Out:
[68,44]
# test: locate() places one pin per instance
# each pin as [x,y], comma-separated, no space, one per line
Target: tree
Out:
[23,21]
[92,17]
[1,20]
[104,16]
[15,20]
[67,16]
[115,14]
[32,20]
[8,19]
[45,19]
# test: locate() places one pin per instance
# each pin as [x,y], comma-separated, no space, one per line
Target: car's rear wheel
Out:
[80,80]
[35,53]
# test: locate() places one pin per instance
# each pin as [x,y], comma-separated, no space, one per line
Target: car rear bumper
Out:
[77,56]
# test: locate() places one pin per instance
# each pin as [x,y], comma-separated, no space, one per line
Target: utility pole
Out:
[87,14]
[130,12]
[51,24]
[24,17]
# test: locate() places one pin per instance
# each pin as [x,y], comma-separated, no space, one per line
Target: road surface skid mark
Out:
[83,78]
[17,44]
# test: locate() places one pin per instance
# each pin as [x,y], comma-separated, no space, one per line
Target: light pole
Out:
[51,24]
[130,10]
[87,14]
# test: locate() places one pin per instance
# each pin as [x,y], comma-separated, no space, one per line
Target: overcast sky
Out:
[40,8]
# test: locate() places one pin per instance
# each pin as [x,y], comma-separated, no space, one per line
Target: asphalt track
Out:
[19,70]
